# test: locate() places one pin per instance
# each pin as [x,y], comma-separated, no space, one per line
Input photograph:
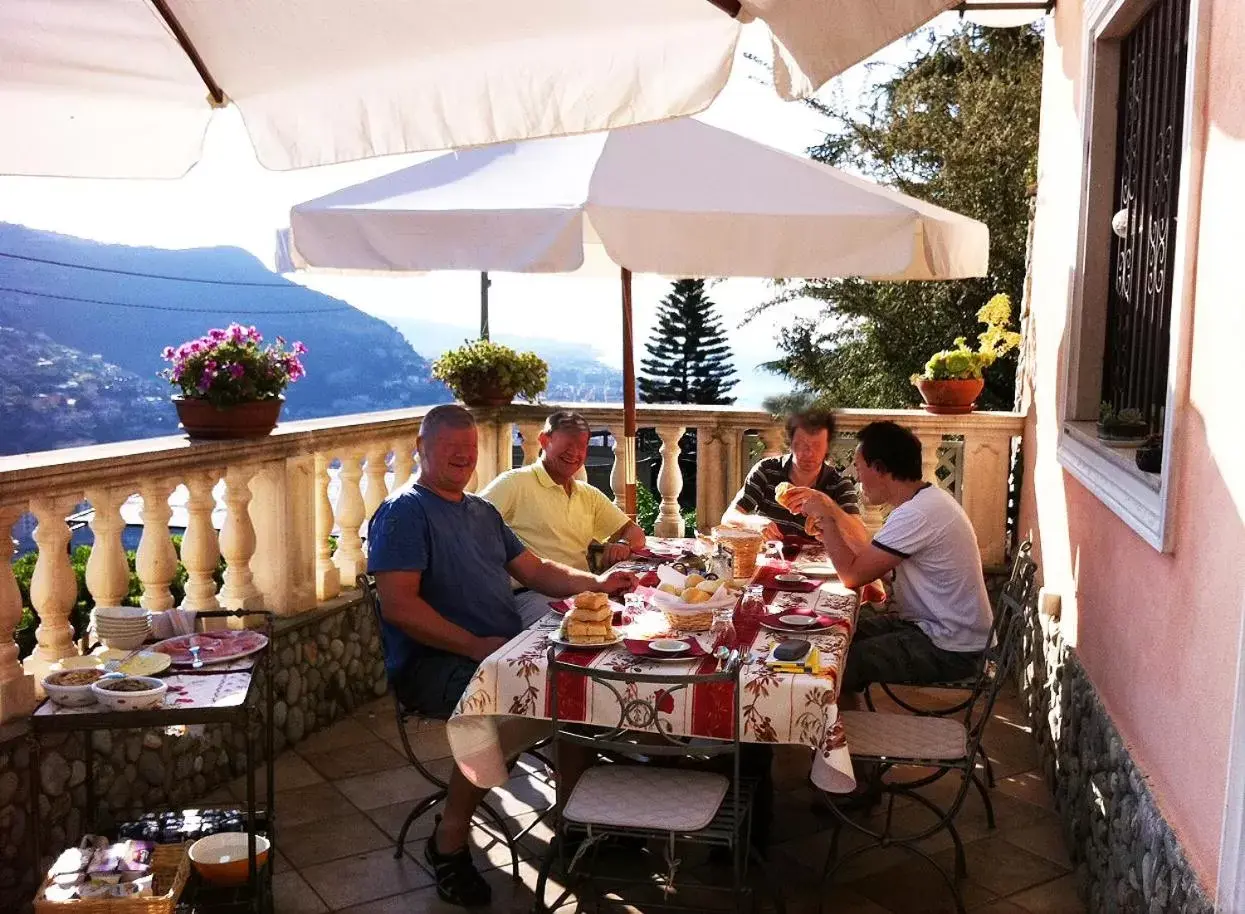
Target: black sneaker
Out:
[458,881]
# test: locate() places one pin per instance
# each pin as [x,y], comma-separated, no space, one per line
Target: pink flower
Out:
[236,371]
[299,348]
[218,335]
[167,354]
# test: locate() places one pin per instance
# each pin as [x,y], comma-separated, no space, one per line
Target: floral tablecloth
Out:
[508,700]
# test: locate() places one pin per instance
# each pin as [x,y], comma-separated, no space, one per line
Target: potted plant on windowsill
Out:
[484,373]
[231,385]
[1125,428]
[952,380]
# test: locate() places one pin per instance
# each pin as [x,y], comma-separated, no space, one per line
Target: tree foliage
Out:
[956,126]
[689,358]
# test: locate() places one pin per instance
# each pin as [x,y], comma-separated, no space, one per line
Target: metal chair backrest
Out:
[643,714]
[1012,620]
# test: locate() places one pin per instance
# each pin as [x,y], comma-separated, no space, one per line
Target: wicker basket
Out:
[170,868]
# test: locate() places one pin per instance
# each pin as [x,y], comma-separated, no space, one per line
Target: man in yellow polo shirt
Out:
[556,515]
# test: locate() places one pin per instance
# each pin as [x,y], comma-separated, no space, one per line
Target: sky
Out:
[229,199]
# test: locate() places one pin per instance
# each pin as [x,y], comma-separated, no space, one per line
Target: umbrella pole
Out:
[627,451]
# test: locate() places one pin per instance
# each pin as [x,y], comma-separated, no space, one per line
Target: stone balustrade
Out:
[284,497]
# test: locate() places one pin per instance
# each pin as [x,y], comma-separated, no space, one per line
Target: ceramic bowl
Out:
[61,688]
[140,700]
[221,859]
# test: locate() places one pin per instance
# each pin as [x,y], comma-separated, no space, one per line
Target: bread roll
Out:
[781,493]
[693,580]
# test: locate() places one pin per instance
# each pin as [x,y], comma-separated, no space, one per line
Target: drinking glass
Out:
[722,632]
[753,602]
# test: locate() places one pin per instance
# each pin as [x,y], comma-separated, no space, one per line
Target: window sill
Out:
[1136,497]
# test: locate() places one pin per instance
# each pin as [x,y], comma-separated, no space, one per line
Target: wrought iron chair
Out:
[409,719]
[893,741]
[673,805]
[1017,591]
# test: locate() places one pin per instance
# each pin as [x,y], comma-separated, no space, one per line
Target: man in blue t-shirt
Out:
[443,560]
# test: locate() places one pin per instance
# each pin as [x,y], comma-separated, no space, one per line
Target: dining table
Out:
[508,700]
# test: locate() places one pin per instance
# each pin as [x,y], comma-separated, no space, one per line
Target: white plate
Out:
[818,570]
[790,578]
[801,621]
[669,646]
[556,638]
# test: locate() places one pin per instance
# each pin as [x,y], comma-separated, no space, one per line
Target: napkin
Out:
[766,577]
[646,553]
[810,664]
[639,647]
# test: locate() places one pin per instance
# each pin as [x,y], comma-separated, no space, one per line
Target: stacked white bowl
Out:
[122,628]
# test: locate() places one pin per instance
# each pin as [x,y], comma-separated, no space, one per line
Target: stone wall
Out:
[1127,858]
[326,662]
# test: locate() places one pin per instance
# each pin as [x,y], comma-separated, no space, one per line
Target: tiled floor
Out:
[343,794]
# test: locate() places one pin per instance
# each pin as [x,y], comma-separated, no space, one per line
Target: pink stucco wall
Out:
[1158,634]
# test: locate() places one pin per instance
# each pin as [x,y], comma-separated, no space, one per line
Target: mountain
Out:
[118,306]
[79,314]
[52,393]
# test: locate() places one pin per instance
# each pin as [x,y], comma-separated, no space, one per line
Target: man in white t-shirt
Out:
[942,623]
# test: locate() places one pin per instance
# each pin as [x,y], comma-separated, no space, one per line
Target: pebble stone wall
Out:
[326,663]
[1127,857]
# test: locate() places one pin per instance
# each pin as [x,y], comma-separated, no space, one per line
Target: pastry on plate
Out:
[588,620]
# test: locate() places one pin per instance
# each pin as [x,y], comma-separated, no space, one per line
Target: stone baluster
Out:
[530,432]
[711,497]
[732,466]
[17,689]
[773,440]
[669,483]
[618,472]
[987,457]
[328,578]
[237,542]
[374,474]
[156,560]
[53,587]
[351,511]
[200,550]
[403,463]
[930,445]
[107,571]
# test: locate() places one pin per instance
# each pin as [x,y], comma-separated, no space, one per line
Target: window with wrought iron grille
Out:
[1152,64]
[1131,291]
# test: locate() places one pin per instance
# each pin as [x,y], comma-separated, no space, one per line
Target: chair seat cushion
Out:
[632,796]
[883,735]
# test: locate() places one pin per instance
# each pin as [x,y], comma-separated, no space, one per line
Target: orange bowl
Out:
[221,859]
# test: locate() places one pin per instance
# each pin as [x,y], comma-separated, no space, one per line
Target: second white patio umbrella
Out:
[679,198]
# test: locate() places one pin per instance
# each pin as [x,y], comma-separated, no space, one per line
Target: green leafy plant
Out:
[962,362]
[1128,419]
[482,365]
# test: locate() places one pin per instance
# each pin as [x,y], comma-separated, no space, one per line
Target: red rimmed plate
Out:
[214,647]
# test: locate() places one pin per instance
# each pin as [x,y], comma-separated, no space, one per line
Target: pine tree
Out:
[689,358]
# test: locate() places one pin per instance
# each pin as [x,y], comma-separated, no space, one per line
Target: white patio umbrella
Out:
[125,88]
[679,198]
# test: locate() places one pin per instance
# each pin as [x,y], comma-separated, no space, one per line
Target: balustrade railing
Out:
[280,516]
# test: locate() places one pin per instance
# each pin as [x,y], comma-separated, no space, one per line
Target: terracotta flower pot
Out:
[952,397]
[487,395]
[201,419]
